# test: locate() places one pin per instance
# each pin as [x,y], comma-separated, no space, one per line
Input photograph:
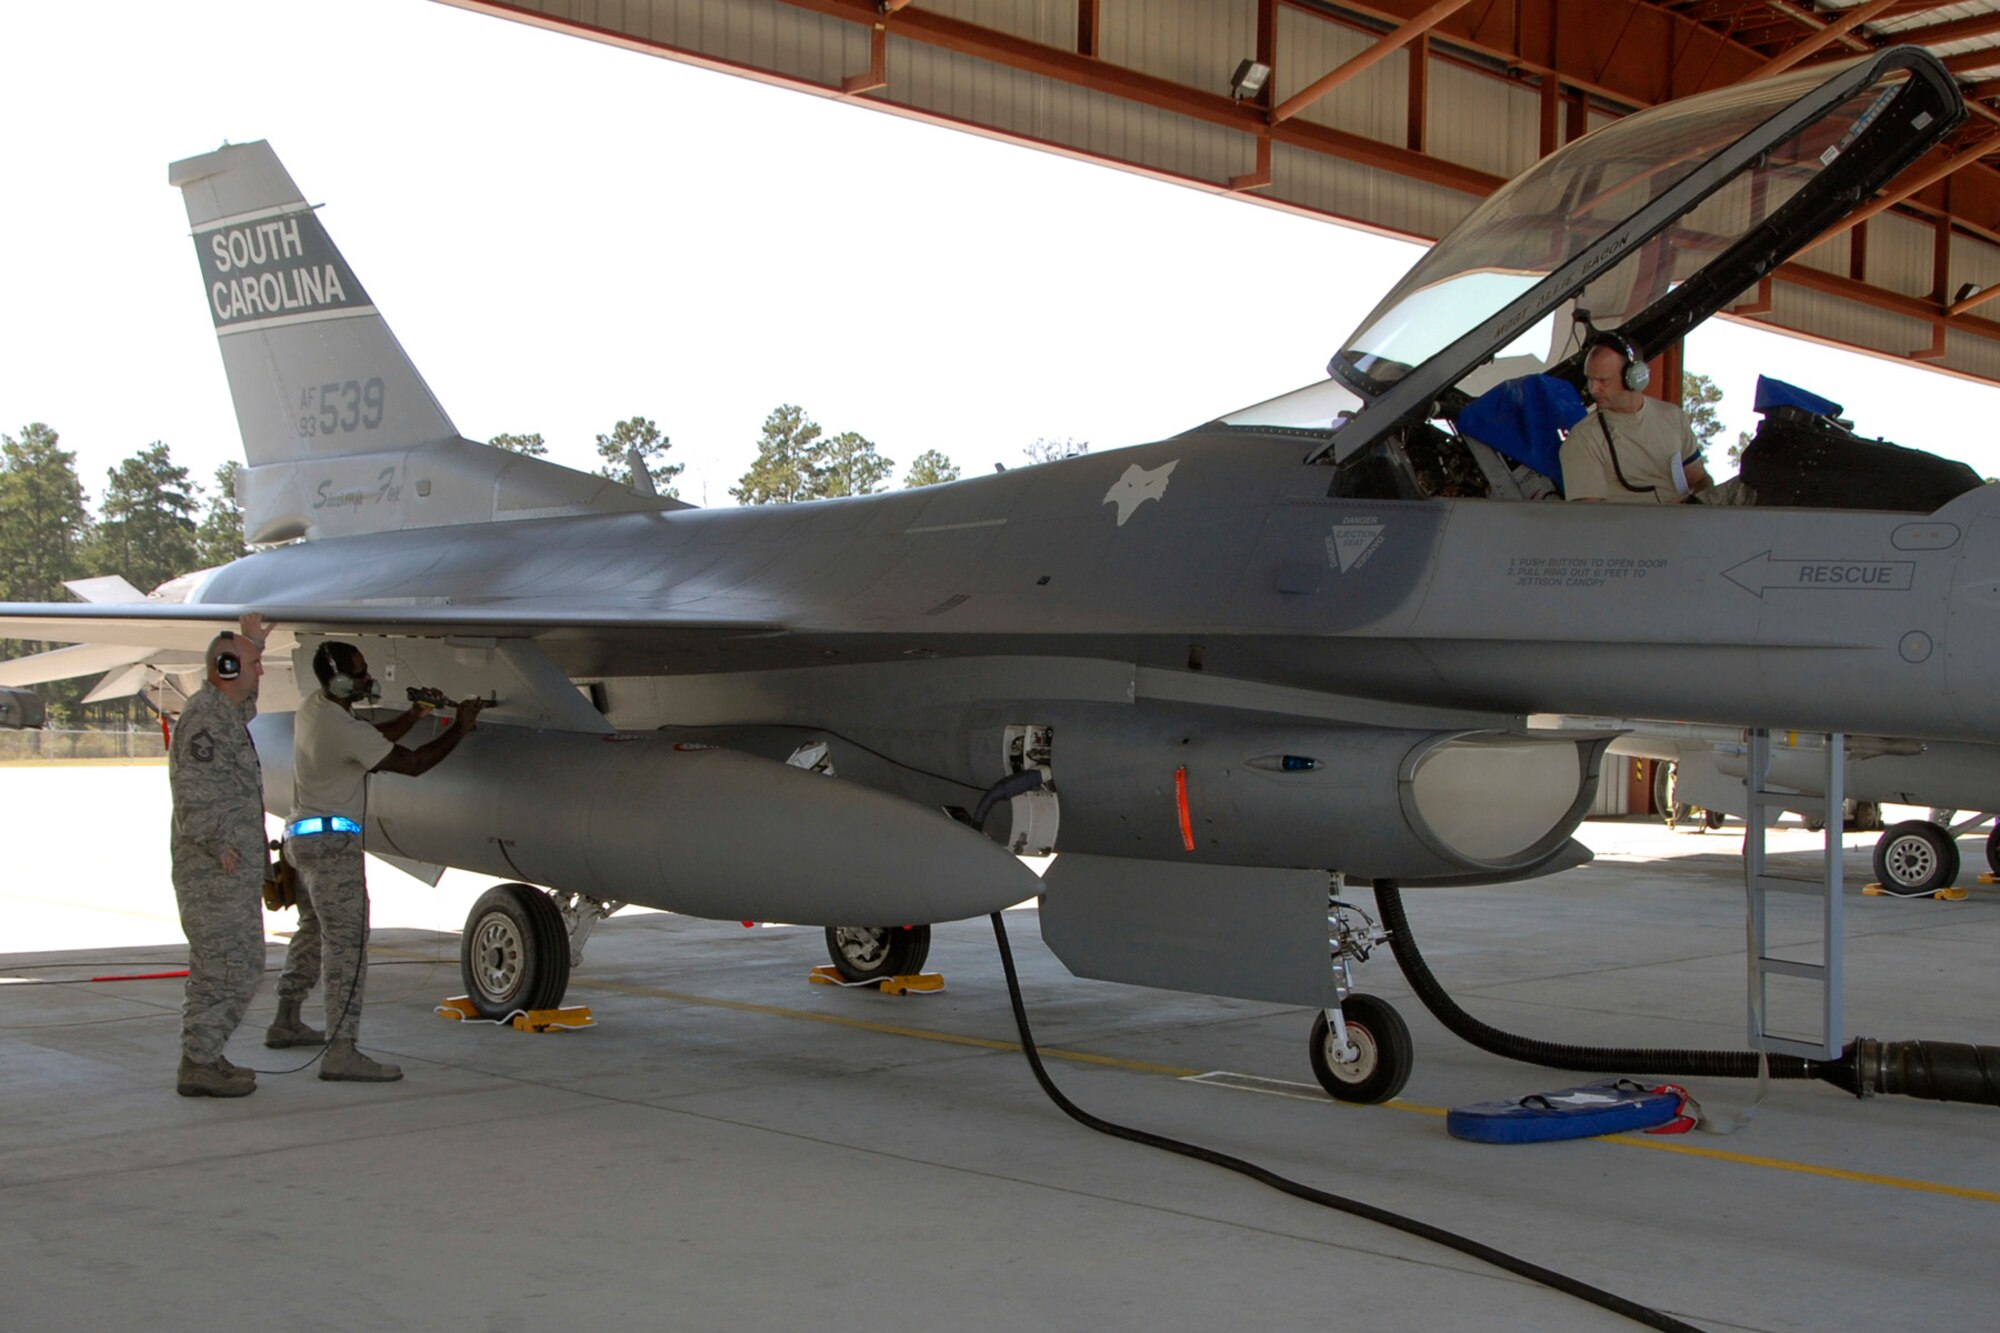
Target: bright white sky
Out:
[563,234]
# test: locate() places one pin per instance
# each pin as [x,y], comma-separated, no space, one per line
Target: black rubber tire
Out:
[1915,856]
[1712,818]
[876,953]
[1387,1052]
[1993,848]
[1867,818]
[1670,811]
[514,954]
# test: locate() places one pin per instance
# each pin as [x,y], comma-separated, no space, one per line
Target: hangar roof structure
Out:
[1396,115]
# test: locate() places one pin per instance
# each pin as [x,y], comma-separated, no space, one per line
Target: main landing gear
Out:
[519,945]
[876,953]
[1361,1050]
[1920,856]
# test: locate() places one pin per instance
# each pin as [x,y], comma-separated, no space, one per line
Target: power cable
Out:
[1640,1314]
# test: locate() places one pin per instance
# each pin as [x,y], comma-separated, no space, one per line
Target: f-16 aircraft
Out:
[1218,674]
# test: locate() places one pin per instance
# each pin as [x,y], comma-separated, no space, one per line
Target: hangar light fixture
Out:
[1248,80]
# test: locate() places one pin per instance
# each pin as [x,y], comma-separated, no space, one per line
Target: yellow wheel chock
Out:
[1945,895]
[568,1018]
[923,983]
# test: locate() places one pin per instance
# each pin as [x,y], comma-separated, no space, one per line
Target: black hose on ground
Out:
[1940,1071]
[1548,1277]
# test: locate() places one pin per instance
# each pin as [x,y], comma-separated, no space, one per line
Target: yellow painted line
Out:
[1804,1168]
[1171,1071]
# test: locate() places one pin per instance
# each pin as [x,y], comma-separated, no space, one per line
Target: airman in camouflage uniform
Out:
[218,859]
[333,752]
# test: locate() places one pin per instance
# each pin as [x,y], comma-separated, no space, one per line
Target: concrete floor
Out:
[732,1147]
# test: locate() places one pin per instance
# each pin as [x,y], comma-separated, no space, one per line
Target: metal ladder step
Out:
[1759,883]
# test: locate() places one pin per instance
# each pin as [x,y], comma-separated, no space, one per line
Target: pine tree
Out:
[638,433]
[783,471]
[147,529]
[1699,397]
[219,539]
[930,467]
[847,464]
[43,522]
[531,445]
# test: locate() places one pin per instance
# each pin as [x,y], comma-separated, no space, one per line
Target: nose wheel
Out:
[1360,1051]
[1379,1054]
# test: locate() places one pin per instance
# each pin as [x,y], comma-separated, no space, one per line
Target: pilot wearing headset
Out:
[217,846]
[333,752]
[1632,449]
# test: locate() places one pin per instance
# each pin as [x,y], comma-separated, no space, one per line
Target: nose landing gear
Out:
[1361,1050]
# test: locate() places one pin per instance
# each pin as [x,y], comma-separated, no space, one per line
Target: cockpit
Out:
[1645,227]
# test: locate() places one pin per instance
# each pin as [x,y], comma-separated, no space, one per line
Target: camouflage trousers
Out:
[332,939]
[222,916]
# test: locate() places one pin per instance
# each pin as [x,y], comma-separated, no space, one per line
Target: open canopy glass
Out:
[1649,224]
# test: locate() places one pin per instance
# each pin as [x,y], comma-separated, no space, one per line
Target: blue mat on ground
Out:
[1611,1106]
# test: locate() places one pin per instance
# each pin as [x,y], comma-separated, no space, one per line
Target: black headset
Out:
[1637,373]
[228,666]
[339,684]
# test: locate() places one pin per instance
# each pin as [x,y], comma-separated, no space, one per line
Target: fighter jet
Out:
[1219,674]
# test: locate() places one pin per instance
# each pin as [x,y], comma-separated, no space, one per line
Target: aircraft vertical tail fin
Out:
[340,431]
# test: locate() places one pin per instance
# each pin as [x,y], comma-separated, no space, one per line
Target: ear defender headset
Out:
[1637,373]
[339,683]
[228,666]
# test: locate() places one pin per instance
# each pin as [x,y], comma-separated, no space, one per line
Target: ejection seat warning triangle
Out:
[1350,544]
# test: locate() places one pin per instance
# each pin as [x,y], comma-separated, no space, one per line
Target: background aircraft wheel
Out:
[874,953]
[515,951]
[1814,823]
[1915,856]
[1993,848]
[1712,818]
[1387,1053]
[1867,817]
[1672,811]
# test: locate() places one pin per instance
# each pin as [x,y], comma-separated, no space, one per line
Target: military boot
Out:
[213,1080]
[344,1064]
[288,1029]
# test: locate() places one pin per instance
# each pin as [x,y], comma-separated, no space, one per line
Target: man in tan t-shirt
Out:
[333,752]
[1632,449]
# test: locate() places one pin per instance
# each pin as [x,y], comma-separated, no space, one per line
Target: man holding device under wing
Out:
[333,754]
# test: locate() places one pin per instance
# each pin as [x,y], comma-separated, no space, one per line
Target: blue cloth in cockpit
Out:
[1524,419]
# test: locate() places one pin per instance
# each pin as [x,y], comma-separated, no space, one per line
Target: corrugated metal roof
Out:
[1442,101]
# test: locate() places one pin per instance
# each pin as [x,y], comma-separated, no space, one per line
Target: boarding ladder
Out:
[1765,806]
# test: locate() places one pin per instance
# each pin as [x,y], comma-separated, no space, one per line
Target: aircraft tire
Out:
[514,954]
[1387,1052]
[1915,856]
[876,953]
[1993,848]
[1670,810]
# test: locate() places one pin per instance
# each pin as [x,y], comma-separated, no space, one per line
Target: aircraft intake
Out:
[706,832]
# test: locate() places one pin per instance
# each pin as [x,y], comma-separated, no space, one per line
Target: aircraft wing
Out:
[111,628]
[79,660]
